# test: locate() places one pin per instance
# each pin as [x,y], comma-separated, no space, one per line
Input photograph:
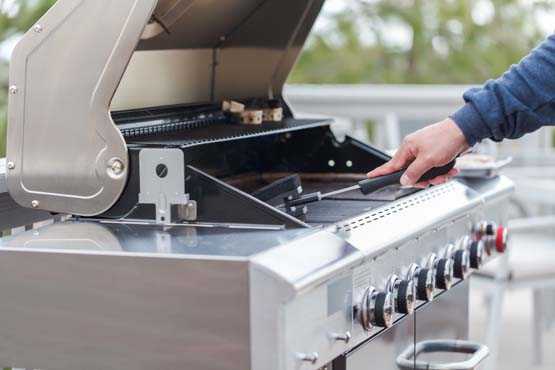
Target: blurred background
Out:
[384,68]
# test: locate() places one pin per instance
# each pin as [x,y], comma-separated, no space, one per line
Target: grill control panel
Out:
[436,273]
[392,285]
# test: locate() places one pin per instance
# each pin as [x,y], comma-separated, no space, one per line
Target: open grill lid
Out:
[64,152]
[199,51]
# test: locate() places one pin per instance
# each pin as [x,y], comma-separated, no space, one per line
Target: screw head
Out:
[11,165]
[35,203]
[115,167]
[13,90]
[37,28]
[162,170]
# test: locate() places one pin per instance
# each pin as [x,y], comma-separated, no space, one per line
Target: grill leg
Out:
[495,322]
[537,327]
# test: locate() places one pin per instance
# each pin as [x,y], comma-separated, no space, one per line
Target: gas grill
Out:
[157,133]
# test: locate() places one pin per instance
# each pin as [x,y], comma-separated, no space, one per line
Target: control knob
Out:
[461,264]
[404,294]
[375,309]
[484,228]
[425,283]
[501,236]
[476,254]
[444,273]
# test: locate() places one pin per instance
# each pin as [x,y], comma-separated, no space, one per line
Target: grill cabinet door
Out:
[380,352]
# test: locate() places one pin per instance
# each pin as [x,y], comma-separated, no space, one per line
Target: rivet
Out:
[13,90]
[35,203]
[11,165]
[37,28]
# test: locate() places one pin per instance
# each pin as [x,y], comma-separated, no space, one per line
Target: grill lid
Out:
[194,51]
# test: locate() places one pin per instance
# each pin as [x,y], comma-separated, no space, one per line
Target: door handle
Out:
[408,359]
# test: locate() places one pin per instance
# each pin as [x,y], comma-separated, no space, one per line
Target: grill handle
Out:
[408,360]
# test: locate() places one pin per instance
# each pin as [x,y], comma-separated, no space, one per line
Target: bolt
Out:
[162,170]
[37,28]
[308,357]
[116,166]
[13,90]
[35,203]
[11,165]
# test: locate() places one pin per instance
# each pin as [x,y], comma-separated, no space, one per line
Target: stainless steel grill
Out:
[181,251]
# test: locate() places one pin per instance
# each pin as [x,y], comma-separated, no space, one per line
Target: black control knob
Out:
[444,274]
[425,285]
[404,296]
[461,265]
[375,309]
[484,228]
[490,228]
[476,254]
[383,310]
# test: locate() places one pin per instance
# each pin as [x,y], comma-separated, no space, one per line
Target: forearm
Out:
[519,102]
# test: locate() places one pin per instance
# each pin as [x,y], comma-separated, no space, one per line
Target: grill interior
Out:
[228,163]
[327,211]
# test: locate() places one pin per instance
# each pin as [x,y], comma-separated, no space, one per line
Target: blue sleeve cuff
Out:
[471,124]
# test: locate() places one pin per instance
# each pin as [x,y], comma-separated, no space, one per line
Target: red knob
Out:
[501,239]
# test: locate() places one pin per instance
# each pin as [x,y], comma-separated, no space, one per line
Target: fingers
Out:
[399,161]
[438,180]
[454,172]
[415,171]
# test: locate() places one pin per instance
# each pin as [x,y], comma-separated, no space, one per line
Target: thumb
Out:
[415,171]
[398,162]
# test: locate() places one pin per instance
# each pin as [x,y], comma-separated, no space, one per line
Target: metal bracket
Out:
[162,183]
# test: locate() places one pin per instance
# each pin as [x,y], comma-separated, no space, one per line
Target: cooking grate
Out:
[211,128]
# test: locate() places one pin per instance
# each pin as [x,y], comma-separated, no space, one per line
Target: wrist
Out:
[470,123]
[456,135]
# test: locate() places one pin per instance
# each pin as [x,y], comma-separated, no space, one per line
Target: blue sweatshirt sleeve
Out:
[519,102]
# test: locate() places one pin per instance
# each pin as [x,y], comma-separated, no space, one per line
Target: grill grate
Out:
[148,129]
[211,128]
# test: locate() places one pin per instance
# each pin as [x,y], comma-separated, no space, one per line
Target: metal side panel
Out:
[67,311]
[425,210]
[447,317]
[381,352]
[64,152]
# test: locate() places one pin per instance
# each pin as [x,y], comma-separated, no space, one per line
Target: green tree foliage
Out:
[446,41]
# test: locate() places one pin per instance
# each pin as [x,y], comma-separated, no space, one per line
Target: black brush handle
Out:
[305,199]
[371,185]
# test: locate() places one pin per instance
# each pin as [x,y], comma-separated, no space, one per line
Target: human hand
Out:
[430,147]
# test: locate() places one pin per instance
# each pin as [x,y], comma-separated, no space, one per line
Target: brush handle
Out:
[371,185]
[376,183]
